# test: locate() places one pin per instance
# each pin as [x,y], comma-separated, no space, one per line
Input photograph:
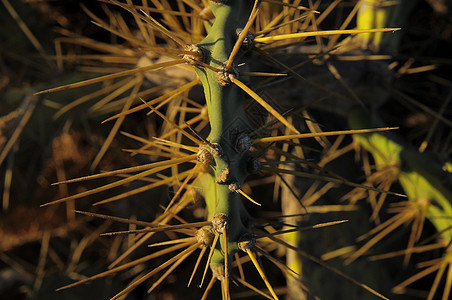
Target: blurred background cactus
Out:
[235,136]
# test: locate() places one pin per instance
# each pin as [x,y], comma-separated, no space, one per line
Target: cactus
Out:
[161,54]
[225,103]
[221,162]
[423,179]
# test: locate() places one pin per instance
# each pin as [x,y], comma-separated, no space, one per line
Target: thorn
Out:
[212,248]
[261,273]
[248,197]
[208,288]
[226,263]
[203,250]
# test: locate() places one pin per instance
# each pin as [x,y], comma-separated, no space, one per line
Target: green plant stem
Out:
[227,116]
[420,174]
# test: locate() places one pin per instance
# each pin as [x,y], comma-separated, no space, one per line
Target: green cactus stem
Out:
[225,103]
[420,174]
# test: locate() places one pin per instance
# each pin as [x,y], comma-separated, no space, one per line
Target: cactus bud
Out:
[197,56]
[253,165]
[216,150]
[224,77]
[220,222]
[243,142]
[205,236]
[246,242]
[225,176]
[235,187]
[204,156]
